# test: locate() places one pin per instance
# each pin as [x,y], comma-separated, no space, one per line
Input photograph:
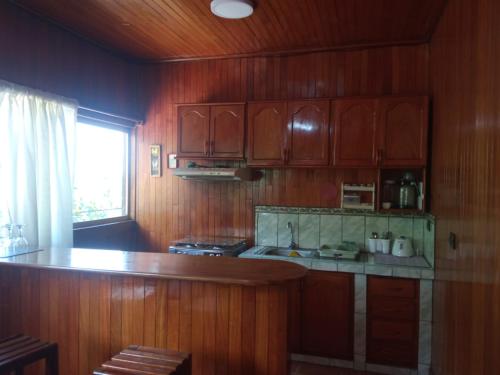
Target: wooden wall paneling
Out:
[185,319]
[161,297]
[465,87]
[150,312]
[248,320]
[229,207]
[93,316]
[235,330]
[222,329]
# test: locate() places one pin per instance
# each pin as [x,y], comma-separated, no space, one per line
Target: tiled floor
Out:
[299,368]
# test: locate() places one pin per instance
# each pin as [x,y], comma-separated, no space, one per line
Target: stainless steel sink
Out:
[283,252]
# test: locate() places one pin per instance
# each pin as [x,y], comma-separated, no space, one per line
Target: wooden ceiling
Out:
[183,29]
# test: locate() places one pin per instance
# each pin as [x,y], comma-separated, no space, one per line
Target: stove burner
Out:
[215,246]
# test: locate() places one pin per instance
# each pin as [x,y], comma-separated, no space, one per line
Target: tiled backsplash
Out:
[315,227]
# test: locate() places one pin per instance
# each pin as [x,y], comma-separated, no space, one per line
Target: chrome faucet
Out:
[292,245]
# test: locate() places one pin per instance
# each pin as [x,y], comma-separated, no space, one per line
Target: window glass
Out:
[100,173]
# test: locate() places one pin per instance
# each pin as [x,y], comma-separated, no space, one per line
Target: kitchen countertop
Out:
[162,265]
[365,265]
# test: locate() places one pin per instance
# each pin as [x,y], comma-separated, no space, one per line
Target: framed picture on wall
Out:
[155,160]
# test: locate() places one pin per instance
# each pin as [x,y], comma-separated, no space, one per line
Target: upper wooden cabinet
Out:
[211,131]
[227,131]
[266,133]
[373,132]
[288,133]
[307,139]
[193,131]
[354,133]
[403,124]
[380,132]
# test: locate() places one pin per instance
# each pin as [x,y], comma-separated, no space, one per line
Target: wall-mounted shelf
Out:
[358,201]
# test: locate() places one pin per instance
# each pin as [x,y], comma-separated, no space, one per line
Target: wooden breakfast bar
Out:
[230,313]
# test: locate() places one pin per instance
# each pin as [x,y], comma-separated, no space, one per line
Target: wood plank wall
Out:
[229,329]
[465,75]
[168,208]
[38,54]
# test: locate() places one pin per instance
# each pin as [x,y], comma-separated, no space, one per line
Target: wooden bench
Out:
[18,351]
[143,360]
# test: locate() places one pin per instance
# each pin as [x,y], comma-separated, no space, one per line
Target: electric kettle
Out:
[402,247]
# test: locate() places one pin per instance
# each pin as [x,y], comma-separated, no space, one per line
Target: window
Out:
[101,173]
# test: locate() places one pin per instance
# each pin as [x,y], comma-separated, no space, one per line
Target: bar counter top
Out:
[226,270]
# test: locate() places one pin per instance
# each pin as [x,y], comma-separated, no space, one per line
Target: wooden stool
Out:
[19,351]
[142,360]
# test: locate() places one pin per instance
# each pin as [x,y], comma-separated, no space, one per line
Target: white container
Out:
[385,246]
[372,245]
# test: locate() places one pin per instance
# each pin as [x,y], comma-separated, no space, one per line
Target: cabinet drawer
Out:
[392,287]
[389,307]
[393,354]
[392,330]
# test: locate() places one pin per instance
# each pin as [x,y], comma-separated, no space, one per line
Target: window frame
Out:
[127,200]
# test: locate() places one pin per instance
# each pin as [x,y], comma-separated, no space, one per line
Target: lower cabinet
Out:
[321,317]
[392,321]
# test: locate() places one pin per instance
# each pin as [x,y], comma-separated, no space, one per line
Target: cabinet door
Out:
[403,131]
[307,142]
[266,133]
[227,131]
[327,314]
[354,133]
[193,131]
[392,321]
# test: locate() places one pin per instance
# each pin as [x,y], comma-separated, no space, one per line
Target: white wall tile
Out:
[330,233]
[309,231]
[426,300]
[267,229]
[360,293]
[353,229]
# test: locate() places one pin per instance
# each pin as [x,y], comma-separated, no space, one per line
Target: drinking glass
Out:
[6,233]
[20,240]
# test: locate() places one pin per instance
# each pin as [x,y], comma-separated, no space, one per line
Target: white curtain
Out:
[36,163]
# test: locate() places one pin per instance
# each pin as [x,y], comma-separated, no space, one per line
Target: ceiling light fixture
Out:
[232,9]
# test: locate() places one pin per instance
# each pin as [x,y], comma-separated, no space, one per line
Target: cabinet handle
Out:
[212,147]
[207,151]
[283,154]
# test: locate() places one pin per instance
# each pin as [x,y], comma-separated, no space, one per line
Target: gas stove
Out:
[209,246]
